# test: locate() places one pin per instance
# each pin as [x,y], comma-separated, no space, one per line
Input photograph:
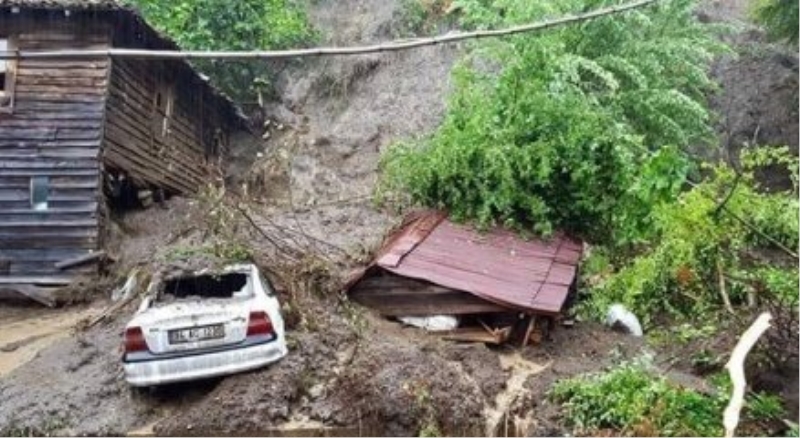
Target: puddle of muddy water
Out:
[26,331]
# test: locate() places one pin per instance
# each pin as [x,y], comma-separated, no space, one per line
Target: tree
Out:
[231,25]
[578,128]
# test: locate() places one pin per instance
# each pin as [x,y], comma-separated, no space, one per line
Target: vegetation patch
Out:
[225,25]
[779,17]
[719,252]
[632,400]
[577,128]
[423,17]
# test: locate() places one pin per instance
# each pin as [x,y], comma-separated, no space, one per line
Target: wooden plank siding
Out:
[84,123]
[55,130]
[177,159]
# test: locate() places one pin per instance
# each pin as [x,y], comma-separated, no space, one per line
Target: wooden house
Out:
[75,134]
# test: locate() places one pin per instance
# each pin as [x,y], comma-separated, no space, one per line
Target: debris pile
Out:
[431,266]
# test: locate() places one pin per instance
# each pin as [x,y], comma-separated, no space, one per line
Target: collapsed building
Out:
[493,282]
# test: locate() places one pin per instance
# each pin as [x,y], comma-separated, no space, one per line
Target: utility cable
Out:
[389,46]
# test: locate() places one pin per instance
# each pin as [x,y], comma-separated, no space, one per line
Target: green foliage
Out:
[422,17]
[679,273]
[561,135]
[226,25]
[779,17]
[633,399]
[766,406]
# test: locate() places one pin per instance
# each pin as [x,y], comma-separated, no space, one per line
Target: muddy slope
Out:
[757,102]
[324,136]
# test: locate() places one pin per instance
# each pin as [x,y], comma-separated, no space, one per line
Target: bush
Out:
[561,135]
[779,17]
[632,400]
[678,274]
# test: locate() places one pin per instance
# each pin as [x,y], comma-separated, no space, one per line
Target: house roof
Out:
[133,16]
[532,275]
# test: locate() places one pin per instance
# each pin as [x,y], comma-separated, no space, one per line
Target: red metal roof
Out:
[528,274]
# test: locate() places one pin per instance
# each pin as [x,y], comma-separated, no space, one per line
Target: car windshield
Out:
[229,285]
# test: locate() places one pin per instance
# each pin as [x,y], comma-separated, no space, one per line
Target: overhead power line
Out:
[390,46]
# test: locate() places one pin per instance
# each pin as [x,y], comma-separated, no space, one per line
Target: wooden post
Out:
[531,325]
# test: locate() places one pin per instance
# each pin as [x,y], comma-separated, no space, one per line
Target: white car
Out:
[204,325]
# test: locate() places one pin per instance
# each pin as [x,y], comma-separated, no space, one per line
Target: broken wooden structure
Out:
[432,266]
[79,135]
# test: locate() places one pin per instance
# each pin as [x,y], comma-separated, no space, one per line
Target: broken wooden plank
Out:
[49,280]
[478,334]
[531,325]
[37,294]
[86,258]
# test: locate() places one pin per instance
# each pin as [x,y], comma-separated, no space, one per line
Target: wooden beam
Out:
[44,280]
[86,258]
[531,325]
[37,294]
[478,334]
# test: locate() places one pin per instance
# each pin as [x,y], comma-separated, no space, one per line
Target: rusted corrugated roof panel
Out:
[531,275]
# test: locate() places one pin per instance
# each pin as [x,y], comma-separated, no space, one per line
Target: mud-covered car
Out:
[203,325]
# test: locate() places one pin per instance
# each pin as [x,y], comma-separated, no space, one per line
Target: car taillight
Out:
[134,340]
[259,324]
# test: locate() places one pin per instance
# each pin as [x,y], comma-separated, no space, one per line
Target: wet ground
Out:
[27,329]
[372,378]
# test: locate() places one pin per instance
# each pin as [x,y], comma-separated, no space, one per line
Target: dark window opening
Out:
[6,74]
[3,65]
[122,194]
[206,286]
[39,192]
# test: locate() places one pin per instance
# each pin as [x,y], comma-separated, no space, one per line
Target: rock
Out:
[621,319]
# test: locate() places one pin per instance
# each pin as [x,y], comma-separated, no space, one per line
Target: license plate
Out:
[182,336]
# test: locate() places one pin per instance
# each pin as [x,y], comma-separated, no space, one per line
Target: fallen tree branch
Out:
[722,290]
[735,366]
[252,222]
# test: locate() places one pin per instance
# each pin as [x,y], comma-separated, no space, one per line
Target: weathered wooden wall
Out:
[392,295]
[179,160]
[54,130]
[76,121]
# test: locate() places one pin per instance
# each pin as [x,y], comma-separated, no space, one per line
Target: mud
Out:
[317,169]
[757,101]
[27,330]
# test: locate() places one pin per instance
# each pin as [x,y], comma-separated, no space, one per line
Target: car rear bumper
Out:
[198,366]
